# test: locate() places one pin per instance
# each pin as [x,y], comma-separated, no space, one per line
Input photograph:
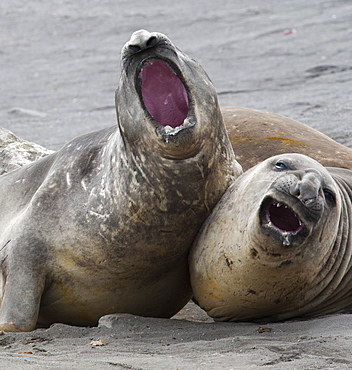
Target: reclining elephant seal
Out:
[257,135]
[278,245]
[105,224]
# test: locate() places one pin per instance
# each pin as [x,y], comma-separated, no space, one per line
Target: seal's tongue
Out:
[163,93]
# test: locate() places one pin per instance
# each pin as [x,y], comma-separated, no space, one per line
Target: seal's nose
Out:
[141,40]
[307,188]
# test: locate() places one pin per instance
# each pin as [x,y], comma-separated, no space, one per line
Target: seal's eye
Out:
[329,195]
[282,166]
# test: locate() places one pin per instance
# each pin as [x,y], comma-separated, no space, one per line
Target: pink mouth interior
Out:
[283,218]
[163,94]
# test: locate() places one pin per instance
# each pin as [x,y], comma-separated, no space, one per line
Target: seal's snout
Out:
[142,40]
[308,188]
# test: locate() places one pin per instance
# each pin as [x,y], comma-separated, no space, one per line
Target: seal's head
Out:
[302,195]
[269,246]
[166,93]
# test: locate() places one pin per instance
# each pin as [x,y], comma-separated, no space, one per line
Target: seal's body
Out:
[278,245]
[104,225]
[257,135]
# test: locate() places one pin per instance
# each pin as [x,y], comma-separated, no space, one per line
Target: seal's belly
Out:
[82,296]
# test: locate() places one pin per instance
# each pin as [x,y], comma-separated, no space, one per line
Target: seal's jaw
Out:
[283,223]
[164,95]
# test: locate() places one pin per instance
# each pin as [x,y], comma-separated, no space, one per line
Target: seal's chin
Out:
[164,95]
[282,221]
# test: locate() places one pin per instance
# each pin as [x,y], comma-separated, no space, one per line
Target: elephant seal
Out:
[278,245]
[257,135]
[105,224]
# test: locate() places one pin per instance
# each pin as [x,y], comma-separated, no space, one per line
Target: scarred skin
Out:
[246,266]
[104,225]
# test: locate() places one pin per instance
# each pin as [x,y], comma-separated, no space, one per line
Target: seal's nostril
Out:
[309,201]
[142,40]
[153,40]
[296,189]
[134,48]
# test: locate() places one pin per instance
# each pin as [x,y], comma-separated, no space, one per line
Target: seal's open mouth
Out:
[280,219]
[163,93]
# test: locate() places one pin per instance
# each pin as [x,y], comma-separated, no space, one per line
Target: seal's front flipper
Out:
[20,302]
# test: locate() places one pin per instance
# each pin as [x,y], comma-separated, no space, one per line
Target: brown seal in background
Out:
[257,135]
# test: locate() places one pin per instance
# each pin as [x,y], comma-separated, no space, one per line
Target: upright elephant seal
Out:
[105,224]
[278,245]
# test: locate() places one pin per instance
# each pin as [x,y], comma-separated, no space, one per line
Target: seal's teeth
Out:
[278,205]
[185,122]
[168,128]
[284,233]
[300,222]
[270,224]
[286,207]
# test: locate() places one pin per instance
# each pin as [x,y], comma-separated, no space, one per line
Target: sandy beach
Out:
[60,65]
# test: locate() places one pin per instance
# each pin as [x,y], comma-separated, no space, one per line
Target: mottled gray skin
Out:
[105,224]
[244,268]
